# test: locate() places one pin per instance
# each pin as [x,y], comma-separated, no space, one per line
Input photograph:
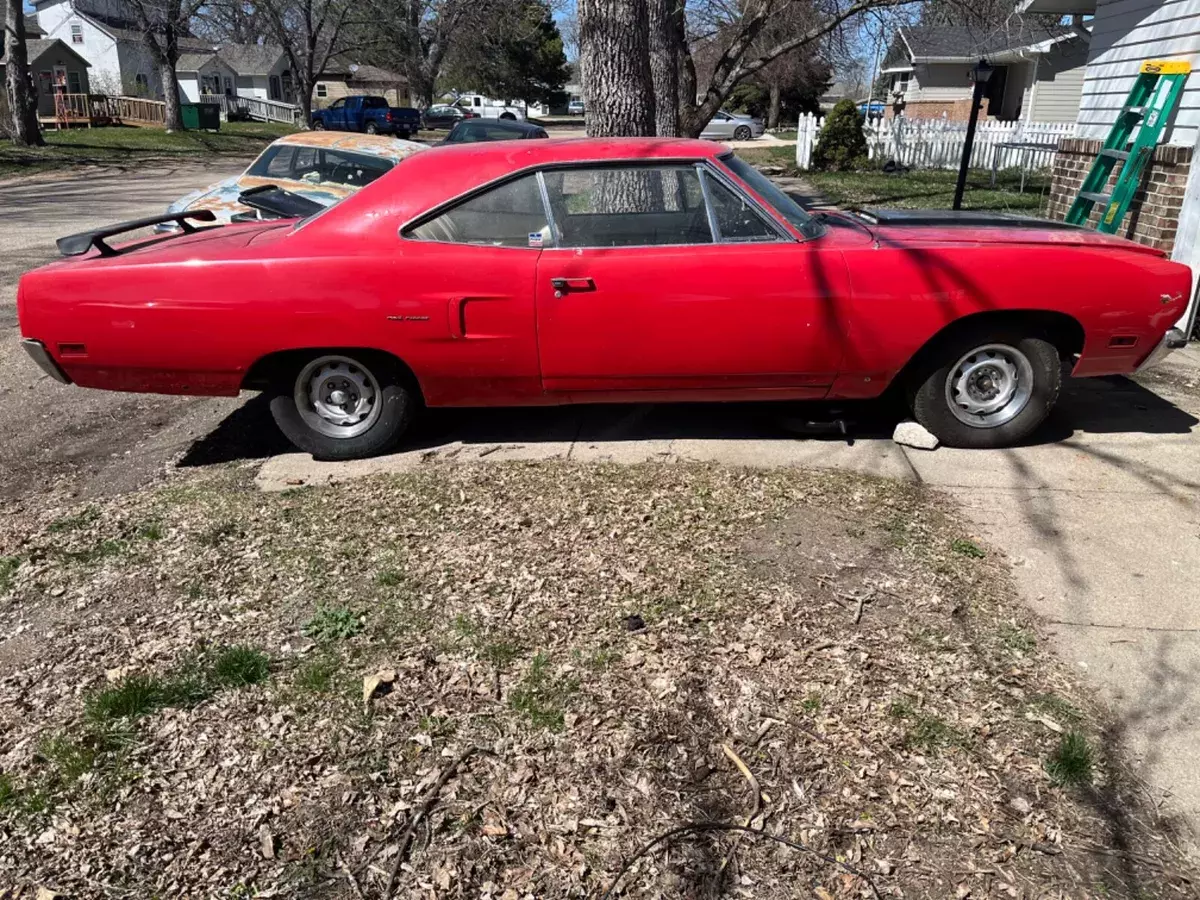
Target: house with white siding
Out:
[1037,72]
[1125,34]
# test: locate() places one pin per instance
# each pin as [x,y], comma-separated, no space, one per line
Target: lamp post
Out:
[980,73]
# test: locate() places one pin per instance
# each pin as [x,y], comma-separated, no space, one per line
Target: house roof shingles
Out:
[934,43]
[32,28]
[35,47]
[251,59]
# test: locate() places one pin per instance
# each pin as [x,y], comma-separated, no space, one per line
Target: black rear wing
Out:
[79,244]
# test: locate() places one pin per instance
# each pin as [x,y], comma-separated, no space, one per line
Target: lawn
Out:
[127,145]
[531,670]
[934,189]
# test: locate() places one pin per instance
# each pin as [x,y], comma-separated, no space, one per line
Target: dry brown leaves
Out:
[497,600]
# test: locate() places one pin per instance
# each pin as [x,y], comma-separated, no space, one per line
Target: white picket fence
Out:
[938,144]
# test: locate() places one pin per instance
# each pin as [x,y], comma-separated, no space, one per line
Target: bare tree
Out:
[313,33]
[743,52]
[163,23]
[416,36]
[614,58]
[235,21]
[666,40]
[22,100]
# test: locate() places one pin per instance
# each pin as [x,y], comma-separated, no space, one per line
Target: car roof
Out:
[372,144]
[426,180]
[503,124]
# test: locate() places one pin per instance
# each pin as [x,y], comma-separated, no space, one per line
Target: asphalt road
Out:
[64,438]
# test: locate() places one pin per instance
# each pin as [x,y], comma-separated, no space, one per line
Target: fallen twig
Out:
[754,788]
[422,810]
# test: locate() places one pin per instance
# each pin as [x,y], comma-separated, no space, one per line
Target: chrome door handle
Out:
[564,286]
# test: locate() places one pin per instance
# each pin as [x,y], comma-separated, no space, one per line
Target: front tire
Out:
[318,125]
[742,133]
[337,406]
[988,388]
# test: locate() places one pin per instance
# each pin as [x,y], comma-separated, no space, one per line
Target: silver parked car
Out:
[727,126]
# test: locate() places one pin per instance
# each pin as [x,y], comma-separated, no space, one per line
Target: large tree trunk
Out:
[615,60]
[776,101]
[170,83]
[304,96]
[420,88]
[22,99]
[664,65]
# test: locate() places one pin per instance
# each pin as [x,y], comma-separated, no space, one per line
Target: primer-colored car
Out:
[322,166]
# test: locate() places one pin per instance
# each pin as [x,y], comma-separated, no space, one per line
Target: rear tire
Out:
[988,387]
[340,406]
[372,128]
[742,133]
[508,117]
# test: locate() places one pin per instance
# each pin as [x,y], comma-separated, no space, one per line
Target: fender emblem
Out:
[1167,298]
[426,318]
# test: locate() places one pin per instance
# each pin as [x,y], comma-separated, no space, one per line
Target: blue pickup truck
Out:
[370,115]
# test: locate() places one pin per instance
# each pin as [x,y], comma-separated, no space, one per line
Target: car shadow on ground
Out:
[1095,406]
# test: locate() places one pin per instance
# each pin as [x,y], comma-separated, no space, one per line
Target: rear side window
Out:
[276,162]
[628,207]
[509,215]
[374,103]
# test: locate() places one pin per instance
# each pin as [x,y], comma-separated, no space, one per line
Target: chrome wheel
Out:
[337,396]
[742,133]
[989,386]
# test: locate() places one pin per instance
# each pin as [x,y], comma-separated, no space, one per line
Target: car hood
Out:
[909,227]
[222,197]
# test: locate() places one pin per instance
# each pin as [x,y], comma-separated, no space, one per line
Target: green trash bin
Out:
[201,115]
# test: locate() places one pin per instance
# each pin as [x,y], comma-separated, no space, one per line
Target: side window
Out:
[306,162]
[736,219]
[338,104]
[511,215]
[280,165]
[628,207]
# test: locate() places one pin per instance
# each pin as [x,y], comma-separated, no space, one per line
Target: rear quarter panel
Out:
[904,295]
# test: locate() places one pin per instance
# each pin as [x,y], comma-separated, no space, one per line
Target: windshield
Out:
[315,165]
[770,192]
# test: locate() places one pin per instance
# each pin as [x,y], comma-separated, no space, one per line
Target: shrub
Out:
[842,144]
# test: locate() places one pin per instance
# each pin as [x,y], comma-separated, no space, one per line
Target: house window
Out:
[900,83]
[76,33]
[74,84]
[322,89]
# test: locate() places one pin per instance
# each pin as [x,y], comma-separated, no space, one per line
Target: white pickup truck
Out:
[487,108]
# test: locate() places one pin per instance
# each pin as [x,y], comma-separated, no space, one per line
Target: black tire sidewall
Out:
[932,410]
[742,133]
[399,405]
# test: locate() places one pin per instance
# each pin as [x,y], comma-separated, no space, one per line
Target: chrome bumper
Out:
[38,353]
[1174,339]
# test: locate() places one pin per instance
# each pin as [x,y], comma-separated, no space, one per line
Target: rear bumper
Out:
[39,354]
[1174,339]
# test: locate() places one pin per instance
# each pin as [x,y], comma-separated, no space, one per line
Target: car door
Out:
[469,275]
[720,128]
[669,278]
[335,118]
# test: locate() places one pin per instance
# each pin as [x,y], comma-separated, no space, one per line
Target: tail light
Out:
[388,117]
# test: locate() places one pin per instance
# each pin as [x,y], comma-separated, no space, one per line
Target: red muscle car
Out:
[584,271]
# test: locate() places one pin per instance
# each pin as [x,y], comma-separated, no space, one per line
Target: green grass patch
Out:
[214,535]
[769,155]
[316,676]
[239,666]
[9,795]
[74,522]
[1072,762]
[1017,639]
[934,189]
[541,697]
[127,145]
[389,578]
[130,698]
[98,552]
[968,548]
[333,623]
[924,732]
[151,531]
[8,567]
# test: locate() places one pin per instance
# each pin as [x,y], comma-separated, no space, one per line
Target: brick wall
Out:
[951,110]
[1153,216]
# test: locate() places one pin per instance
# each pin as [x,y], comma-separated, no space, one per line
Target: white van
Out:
[487,108]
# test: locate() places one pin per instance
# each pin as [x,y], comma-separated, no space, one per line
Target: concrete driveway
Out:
[1099,516]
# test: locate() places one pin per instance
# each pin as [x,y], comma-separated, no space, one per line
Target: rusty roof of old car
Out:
[373,144]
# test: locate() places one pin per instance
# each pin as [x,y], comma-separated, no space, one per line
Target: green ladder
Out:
[1154,97]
